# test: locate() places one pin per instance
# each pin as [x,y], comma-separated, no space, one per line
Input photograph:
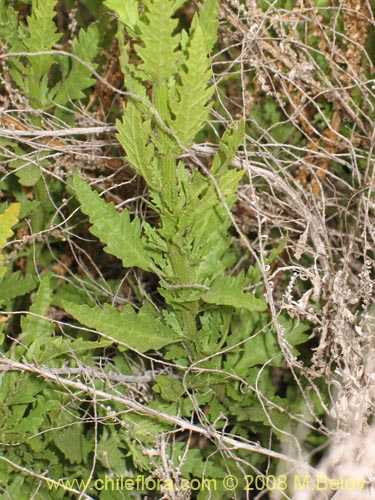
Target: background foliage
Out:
[186,243]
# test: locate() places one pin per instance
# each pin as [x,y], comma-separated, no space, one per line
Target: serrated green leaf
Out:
[228,291]
[27,389]
[190,109]
[258,350]
[134,136]
[72,443]
[122,237]
[228,184]
[158,54]
[109,453]
[171,320]
[28,174]
[215,326]
[86,47]
[42,30]
[195,465]
[8,26]
[60,346]
[140,331]
[15,285]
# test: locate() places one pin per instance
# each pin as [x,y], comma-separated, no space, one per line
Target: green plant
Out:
[205,325]
[207,322]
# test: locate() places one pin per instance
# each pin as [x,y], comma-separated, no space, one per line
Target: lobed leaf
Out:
[158,53]
[228,291]
[190,108]
[15,285]
[86,47]
[134,136]
[42,29]
[122,237]
[41,36]
[8,27]
[72,443]
[208,20]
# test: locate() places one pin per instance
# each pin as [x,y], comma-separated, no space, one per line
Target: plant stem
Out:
[167,158]
[181,267]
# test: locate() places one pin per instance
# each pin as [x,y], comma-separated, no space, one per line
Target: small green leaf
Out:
[60,346]
[40,36]
[72,443]
[195,465]
[109,453]
[170,389]
[15,285]
[127,12]
[295,330]
[276,251]
[228,291]
[28,174]
[42,30]
[260,349]
[27,389]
